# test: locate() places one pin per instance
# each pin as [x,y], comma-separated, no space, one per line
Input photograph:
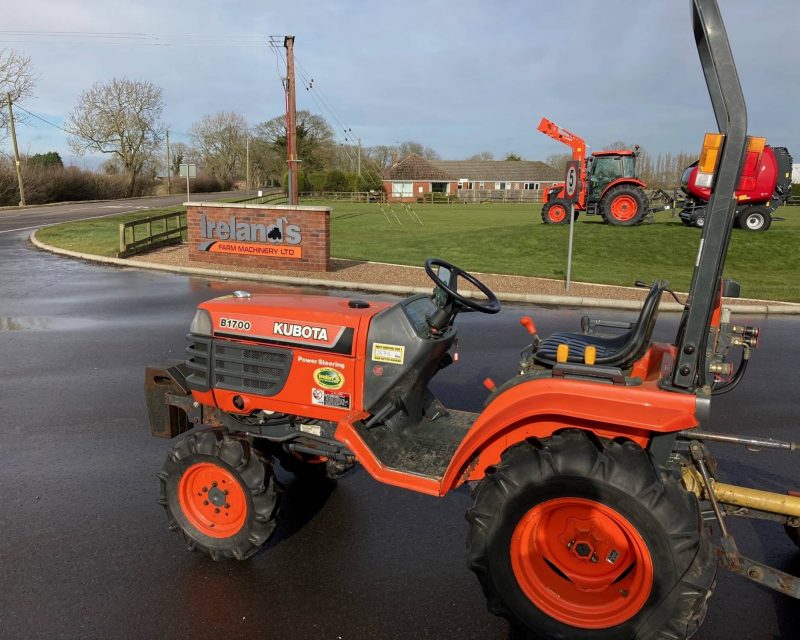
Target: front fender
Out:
[537,407]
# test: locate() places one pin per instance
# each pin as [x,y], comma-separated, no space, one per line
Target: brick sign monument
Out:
[289,237]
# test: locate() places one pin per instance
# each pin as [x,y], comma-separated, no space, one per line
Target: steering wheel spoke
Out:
[459,301]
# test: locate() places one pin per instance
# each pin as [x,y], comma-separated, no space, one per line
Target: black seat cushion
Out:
[577,343]
[617,351]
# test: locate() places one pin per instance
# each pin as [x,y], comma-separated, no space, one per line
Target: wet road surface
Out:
[84,549]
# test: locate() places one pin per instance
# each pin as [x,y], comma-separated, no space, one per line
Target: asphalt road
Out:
[84,549]
[12,220]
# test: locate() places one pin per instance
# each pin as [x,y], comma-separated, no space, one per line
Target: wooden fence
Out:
[150,233]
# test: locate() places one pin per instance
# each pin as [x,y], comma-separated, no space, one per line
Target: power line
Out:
[30,113]
[316,92]
[133,38]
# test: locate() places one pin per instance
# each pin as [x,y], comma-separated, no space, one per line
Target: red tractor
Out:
[591,473]
[608,184]
[765,185]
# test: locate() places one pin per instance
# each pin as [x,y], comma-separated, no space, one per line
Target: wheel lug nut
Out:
[227,506]
[214,484]
[205,502]
[570,544]
[205,489]
[216,510]
[226,492]
[594,557]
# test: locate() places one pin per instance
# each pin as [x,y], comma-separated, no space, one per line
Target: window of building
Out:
[532,186]
[482,185]
[402,189]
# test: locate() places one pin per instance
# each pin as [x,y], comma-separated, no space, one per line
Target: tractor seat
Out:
[617,351]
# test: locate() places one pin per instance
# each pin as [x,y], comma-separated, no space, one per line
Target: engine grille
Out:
[236,367]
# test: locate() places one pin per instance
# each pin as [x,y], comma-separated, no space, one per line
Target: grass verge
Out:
[510,239]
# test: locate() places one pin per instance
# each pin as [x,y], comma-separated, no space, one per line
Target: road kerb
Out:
[527,298]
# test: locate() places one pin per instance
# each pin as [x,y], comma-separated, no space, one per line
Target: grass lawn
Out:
[510,238]
[101,235]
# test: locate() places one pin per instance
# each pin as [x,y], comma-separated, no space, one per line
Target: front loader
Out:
[608,184]
[591,470]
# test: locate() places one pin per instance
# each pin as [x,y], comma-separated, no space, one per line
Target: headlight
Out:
[201,323]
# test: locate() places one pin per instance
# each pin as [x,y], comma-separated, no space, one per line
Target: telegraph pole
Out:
[359,157]
[291,120]
[169,168]
[247,162]
[16,152]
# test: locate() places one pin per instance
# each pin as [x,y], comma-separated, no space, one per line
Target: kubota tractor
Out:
[765,185]
[592,478]
[608,184]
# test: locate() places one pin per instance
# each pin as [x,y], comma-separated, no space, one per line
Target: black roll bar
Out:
[730,110]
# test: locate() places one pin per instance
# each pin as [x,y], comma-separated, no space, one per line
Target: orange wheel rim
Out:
[624,207]
[581,563]
[212,499]
[557,213]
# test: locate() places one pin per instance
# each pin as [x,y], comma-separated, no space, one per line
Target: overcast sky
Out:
[459,76]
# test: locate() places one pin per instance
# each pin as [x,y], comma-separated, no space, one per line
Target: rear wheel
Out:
[624,205]
[754,219]
[578,538]
[220,493]
[556,212]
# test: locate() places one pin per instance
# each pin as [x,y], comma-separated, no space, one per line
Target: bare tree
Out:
[515,157]
[483,155]
[16,78]
[123,118]
[221,140]
[558,161]
[409,146]
[181,153]
[381,155]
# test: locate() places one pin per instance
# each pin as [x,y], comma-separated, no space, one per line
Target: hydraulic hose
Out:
[737,378]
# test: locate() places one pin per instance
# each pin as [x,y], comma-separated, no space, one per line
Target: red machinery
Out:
[765,185]
[608,183]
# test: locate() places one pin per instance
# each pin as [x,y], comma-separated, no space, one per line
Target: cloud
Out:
[457,76]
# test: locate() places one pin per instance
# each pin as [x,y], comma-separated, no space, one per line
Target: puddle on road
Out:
[34,323]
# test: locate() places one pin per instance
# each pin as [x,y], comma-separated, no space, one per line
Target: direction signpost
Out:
[572,188]
[188,171]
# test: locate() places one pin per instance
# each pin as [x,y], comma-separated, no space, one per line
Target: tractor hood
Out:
[324,323]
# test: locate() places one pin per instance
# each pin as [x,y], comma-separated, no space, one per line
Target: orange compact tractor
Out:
[608,184]
[591,472]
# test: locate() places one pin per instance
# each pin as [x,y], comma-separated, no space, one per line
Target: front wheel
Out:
[557,212]
[582,539]
[220,493]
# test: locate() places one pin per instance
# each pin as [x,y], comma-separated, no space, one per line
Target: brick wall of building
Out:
[314,232]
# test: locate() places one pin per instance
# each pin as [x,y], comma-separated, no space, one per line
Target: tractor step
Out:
[424,448]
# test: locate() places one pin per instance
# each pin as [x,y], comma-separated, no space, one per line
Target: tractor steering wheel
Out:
[492,304]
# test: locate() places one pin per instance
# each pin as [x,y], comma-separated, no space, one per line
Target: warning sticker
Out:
[391,353]
[334,399]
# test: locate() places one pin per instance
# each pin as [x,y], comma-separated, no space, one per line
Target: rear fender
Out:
[631,181]
[537,407]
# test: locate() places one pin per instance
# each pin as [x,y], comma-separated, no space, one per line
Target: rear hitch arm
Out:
[727,551]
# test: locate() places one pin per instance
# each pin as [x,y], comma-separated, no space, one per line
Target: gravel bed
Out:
[382,273]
